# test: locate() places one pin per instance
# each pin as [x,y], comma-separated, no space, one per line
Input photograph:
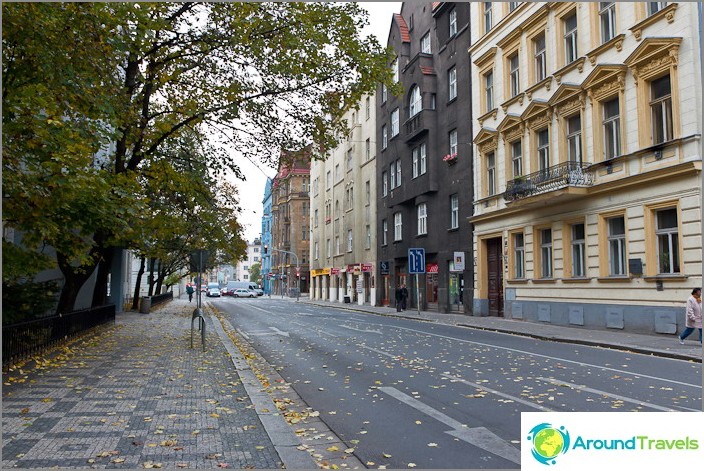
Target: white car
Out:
[243,293]
[213,292]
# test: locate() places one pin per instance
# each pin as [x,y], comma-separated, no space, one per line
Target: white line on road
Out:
[499,393]
[481,437]
[241,332]
[279,332]
[580,387]
[360,330]
[378,351]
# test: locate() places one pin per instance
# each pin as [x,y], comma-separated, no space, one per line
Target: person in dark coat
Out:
[189,290]
[404,296]
[399,299]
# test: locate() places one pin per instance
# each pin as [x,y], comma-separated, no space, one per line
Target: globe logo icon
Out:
[548,442]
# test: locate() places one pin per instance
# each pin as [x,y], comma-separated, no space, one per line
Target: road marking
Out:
[360,330]
[279,332]
[499,393]
[379,351]
[481,437]
[241,332]
[580,387]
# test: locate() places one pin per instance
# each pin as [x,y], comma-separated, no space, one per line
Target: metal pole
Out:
[418,293]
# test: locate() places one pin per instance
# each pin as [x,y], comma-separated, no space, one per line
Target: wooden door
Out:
[495,277]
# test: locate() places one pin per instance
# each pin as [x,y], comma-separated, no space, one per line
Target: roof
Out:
[427,70]
[403,28]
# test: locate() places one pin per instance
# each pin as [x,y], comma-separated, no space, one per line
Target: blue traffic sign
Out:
[416,261]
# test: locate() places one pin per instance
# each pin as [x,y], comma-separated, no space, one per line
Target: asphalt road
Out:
[403,392]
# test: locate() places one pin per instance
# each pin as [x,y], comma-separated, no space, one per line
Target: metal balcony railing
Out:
[552,178]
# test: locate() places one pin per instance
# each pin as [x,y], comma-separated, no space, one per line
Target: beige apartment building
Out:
[587,134]
[343,214]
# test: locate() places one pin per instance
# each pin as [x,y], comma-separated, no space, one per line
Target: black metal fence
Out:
[162,298]
[550,179]
[30,337]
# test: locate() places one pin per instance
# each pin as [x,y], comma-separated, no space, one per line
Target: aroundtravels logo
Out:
[548,442]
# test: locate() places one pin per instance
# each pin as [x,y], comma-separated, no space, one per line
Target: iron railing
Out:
[24,339]
[552,178]
[162,298]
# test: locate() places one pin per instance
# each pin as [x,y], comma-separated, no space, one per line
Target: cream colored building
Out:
[343,214]
[588,167]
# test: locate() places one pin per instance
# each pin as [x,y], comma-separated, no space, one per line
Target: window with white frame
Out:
[571,49]
[315,218]
[617,245]
[452,83]
[328,180]
[384,93]
[338,174]
[367,193]
[489,90]
[578,252]
[316,251]
[453,23]
[607,20]
[543,150]
[394,122]
[398,226]
[546,253]
[490,174]
[517,158]
[368,149]
[661,109]
[419,160]
[384,184]
[348,163]
[415,103]
[384,232]
[337,245]
[398,172]
[454,211]
[539,56]
[425,44]
[392,175]
[513,5]
[513,64]
[349,240]
[574,138]
[394,70]
[667,234]
[368,244]
[328,248]
[488,17]
[519,256]
[422,219]
[367,108]
[453,141]
[654,7]
[612,129]
[384,137]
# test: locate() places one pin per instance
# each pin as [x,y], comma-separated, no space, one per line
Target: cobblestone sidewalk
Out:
[135,396]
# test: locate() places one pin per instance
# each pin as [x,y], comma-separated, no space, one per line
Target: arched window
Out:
[415,102]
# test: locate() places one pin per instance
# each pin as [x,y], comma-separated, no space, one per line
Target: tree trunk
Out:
[73,282]
[150,278]
[138,284]
[100,291]
[160,279]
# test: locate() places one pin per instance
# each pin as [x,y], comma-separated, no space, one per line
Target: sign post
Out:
[416,264]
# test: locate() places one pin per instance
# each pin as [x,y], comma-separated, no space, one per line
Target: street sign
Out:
[416,261]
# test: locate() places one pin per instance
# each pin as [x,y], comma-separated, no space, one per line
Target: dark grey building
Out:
[424,169]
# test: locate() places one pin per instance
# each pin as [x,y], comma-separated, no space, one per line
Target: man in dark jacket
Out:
[399,299]
[404,296]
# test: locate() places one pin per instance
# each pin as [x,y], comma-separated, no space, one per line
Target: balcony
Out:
[558,177]
[416,125]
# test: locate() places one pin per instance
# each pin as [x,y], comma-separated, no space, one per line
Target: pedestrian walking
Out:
[399,299]
[189,290]
[404,296]
[693,316]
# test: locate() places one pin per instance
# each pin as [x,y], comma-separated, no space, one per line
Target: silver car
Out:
[243,293]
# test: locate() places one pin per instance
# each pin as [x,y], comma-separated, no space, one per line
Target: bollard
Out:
[198,314]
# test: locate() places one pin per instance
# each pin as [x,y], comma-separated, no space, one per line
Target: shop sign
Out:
[319,272]
[384,268]
[431,268]
[360,286]
[367,267]
[334,271]
[458,262]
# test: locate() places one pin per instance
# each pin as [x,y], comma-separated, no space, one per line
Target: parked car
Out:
[243,293]
[213,290]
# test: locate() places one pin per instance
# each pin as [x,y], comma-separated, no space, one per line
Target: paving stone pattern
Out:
[136,396]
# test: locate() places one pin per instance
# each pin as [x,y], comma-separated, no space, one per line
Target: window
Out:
[384,184]
[489,91]
[453,23]
[543,150]
[540,66]
[394,122]
[384,232]
[392,174]
[304,232]
[578,253]
[514,75]
[617,245]
[348,163]
[398,172]
[574,139]
[329,248]
[316,251]
[394,70]
[612,129]
[668,249]
[415,104]
[368,244]
[517,158]
[607,19]
[367,192]
[425,44]
[452,83]
[422,219]
[454,211]
[384,93]
[337,245]
[349,240]
[328,180]
[513,5]
[419,160]
[315,218]
[453,141]
[519,252]
[546,253]
[338,175]
[654,7]
[490,174]
[367,108]
[256,259]
[488,22]
[661,109]
[398,226]
[571,51]
[368,149]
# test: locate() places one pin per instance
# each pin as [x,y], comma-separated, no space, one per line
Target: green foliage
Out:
[255,273]
[23,301]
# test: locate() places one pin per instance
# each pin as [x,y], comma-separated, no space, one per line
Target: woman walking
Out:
[693,315]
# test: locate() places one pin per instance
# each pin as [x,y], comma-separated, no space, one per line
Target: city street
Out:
[403,393]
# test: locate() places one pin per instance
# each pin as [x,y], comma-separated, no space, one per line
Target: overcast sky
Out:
[252,191]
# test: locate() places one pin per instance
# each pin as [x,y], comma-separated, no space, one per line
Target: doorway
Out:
[495,282]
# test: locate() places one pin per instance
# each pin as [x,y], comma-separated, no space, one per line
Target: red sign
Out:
[367,267]
[431,268]
[334,271]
